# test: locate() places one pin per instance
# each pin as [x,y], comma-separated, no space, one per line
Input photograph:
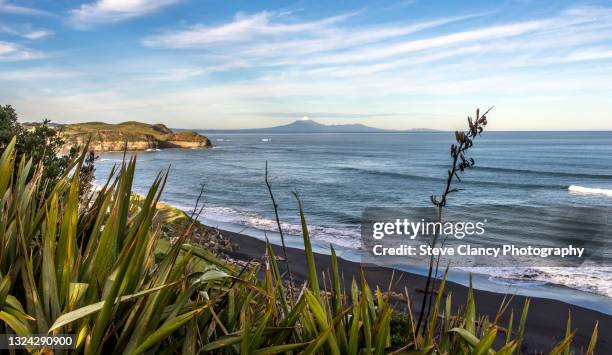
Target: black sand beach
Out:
[546,320]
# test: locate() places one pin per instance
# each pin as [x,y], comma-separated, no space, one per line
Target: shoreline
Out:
[482,279]
[546,320]
[584,287]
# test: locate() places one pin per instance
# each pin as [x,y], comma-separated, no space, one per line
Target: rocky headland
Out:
[130,136]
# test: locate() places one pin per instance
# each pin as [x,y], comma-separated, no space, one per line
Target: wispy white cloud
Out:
[538,29]
[36,74]
[108,11]
[268,32]
[369,69]
[9,8]
[14,52]
[242,29]
[179,73]
[25,31]
[266,39]
[344,38]
[587,54]
[37,34]
[403,48]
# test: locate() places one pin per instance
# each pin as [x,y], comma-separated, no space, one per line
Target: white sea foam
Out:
[349,238]
[589,190]
[594,279]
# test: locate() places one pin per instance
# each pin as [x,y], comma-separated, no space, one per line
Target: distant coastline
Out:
[311,126]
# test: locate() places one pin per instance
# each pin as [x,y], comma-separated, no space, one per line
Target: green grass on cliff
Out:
[129,131]
[158,131]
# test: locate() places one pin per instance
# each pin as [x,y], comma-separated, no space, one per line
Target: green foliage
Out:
[400,330]
[94,269]
[41,143]
[9,127]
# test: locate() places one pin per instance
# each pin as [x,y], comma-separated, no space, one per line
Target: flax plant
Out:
[89,268]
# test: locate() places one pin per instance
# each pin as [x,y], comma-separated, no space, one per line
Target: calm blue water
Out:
[337,175]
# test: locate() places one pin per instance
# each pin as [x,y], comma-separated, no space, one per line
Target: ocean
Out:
[338,175]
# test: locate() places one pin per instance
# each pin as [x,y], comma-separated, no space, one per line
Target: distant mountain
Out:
[310,126]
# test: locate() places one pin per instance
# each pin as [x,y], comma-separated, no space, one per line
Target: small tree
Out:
[9,126]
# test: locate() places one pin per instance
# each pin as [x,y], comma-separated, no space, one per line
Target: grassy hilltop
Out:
[134,135]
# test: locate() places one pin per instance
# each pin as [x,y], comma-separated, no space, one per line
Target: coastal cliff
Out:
[130,136]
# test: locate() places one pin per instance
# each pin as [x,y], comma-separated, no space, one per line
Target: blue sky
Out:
[238,64]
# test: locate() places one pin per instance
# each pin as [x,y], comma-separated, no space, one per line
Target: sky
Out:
[544,65]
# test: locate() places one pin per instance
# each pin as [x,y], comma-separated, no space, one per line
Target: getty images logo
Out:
[412,229]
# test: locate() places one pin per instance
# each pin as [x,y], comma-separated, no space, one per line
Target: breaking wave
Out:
[589,190]
[593,279]
[346,237]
